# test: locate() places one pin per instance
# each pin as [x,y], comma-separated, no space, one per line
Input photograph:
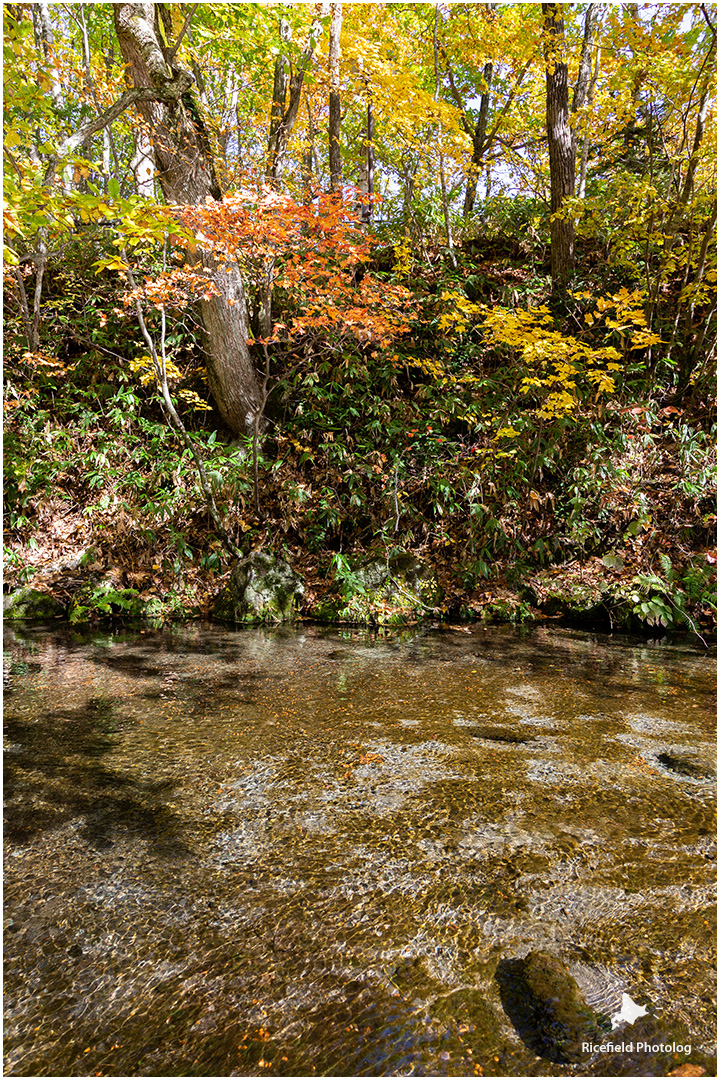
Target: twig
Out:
[183,29]
[415,599]
[395,495]
[256,425]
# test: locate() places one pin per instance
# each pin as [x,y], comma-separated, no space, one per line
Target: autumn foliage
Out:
[315,256]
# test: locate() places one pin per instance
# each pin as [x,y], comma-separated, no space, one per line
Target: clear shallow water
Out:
[305,852]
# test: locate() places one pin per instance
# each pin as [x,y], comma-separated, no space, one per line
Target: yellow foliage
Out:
[430,365]
[194,401]
[555,364]
[144,365]
[403,257]
[459,313]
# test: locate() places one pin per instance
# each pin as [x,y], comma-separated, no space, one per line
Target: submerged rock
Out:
[28,603]
[580,600]
[262,588]
[382,591]
[684,765]
[546,1007]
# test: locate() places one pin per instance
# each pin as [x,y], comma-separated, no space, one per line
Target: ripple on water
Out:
[328,881]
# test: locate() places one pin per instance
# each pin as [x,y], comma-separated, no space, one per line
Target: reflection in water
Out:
[299,852]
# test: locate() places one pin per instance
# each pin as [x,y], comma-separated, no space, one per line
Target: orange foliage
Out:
[316,253]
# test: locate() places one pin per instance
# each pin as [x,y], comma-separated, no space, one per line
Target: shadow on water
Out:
[519,1009]
[68,780]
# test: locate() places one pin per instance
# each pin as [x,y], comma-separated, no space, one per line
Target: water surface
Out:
[306,851]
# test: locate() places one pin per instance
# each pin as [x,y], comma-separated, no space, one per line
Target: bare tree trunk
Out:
[46,37]
[287,91]
[366,164]
[561,149]
[443,184]
[585,85]
[186,175]
[410,170]
[44,43]
[308,156]
[143,164]
[334,120]
[478,136]
[279,98]
[370,158]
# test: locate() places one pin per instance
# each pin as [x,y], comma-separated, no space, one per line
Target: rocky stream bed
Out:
[315,851]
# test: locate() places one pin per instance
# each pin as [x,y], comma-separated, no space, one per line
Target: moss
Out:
[262,588]
[546,1007]
[381,592]
[29,603]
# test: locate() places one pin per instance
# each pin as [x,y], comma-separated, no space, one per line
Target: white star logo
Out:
[629,1011]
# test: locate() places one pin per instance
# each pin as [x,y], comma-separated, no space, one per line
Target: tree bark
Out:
[334,101]
[479,148]
[44,30]
[561,149]
[443,183]
[287,91]
[143,165]
[585,85]
[308,157]
[367,215]
[186,175]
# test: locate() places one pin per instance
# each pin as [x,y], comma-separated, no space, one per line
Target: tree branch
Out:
[183,29]
[168,95]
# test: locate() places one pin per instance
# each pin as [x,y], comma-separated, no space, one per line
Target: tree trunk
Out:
[561,149]
[585,85]
[334,122]
[443,183]
[44,30]
[479,148]
[143,165]
[277,109]
[367,215]
[308,159]
[284,110]
[366,163]
[186,175]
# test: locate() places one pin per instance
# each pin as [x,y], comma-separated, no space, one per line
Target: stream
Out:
[314,851]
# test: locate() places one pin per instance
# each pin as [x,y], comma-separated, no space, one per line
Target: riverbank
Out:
[612,526]
[82,587]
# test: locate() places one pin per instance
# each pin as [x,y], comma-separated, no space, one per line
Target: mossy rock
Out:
[262,588]
[569,594]
[29,603]
[382,592]
[508,609]
[547,1009]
